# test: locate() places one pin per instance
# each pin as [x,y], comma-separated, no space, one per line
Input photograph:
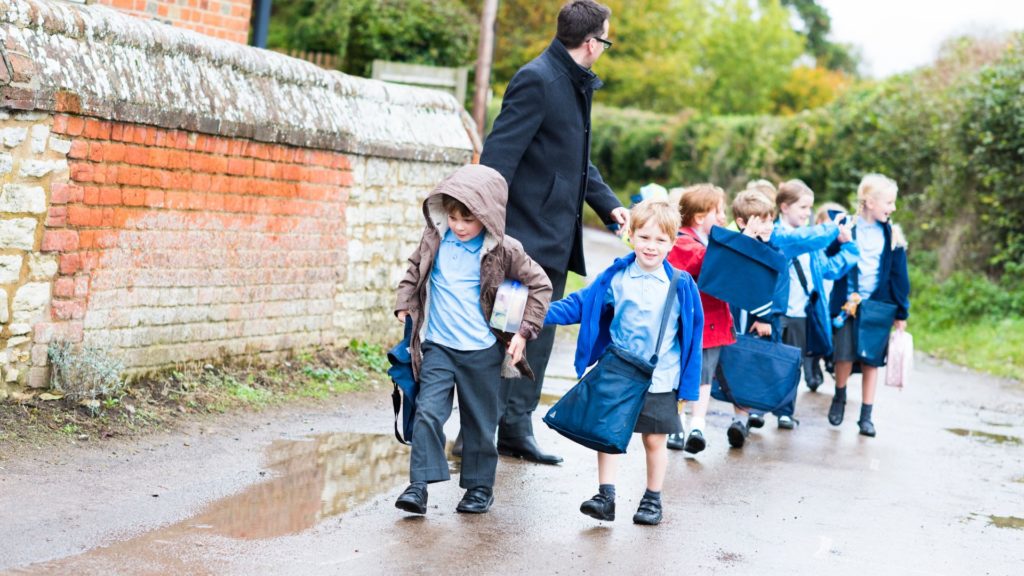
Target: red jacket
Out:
[688,255]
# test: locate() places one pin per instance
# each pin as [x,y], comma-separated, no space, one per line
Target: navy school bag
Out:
[601,410]
[741,270]
[758,373]
[403,397]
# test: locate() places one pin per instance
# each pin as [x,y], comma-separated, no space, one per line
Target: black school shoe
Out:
[413,500]
[737,434]
[648,513]
[476,500]
[675,442]
[695,442]
[600,506]
[836,412]
[867,428]
[755,421]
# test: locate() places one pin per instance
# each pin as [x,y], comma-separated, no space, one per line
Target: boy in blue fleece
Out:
[623,307]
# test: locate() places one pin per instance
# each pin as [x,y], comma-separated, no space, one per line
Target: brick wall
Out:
[222,201]
[227,19]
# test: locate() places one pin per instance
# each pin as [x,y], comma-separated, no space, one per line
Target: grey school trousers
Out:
[522,394]
[476,376]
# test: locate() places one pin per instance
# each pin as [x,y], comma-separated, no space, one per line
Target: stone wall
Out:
[170,197]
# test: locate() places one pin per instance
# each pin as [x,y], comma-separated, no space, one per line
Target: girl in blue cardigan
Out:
[623,307]
[880,275]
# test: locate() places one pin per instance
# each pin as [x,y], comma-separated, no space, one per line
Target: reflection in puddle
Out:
[314,479]
[1007,522]
[986,436]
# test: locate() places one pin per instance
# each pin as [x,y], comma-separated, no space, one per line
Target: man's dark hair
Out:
[579,20]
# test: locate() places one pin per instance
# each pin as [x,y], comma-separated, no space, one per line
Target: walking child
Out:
[879,276]
[449,291]
[623,308]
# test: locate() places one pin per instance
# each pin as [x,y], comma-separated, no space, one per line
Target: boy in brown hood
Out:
[449,292]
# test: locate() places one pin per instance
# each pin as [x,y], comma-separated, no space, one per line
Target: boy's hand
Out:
[900,325]
[845,231]
[763,329]
[401,315]
[516,347]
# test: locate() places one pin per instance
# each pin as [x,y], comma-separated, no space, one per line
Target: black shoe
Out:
[457,446]
[527,449]
[816,376]
[813,386]
[737,434]
[867,428]
[600,506]
[648,513]
[413,500]
[787,422]
[695,442]
[836,412]
[676,442]
[476,500]
[755,421]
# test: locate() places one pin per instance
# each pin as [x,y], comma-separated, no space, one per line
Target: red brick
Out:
[81,171]
[82,286]
[99,173]
[155,198]
[60,124]
[110,195]
[84,216]
[64,287]
[114,152]
[96,152]
[117,132]
[59,193]
[76,124]
[57,217]
[70,263]
[79,150]
[68,309]
[134,196]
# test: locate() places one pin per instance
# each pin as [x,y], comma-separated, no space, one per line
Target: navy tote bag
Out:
[758,373]
[403,397]
[601,410]
[741,270]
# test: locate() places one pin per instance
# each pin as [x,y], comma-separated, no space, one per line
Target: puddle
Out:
[313,479]
[1007,522]
[549,399]
[986,436]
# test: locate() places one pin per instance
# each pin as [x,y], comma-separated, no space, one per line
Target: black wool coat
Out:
[540,143]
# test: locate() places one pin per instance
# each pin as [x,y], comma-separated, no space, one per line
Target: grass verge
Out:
[993,347]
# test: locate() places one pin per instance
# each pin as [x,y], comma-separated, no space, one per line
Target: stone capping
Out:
[96,61]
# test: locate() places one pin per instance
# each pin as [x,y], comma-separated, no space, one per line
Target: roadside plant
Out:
[84,374]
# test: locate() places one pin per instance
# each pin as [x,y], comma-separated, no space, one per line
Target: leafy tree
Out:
[817,25]
[808,88]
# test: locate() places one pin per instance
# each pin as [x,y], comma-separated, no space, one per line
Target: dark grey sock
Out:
[652,495]
[607,490]
[841,394]
[865,412]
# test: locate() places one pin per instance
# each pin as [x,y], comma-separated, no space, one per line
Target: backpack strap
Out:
[665,312]
[800,274]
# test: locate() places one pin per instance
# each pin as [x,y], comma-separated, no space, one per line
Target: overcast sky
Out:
[899,35]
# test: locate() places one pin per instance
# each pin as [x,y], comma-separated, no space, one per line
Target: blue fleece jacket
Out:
[586,308]
[793,242]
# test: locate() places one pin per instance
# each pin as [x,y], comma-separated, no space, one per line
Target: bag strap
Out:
[724,385]
[396,401]
[800,274]
[665,312]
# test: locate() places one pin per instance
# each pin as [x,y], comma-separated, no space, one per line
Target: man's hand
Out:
[516,347]
[763,329]
[621,217]
[401,314]
[900,325]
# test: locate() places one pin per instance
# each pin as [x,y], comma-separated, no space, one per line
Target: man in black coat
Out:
[540,143]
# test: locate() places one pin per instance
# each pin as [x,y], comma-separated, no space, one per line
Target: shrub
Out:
[84,373]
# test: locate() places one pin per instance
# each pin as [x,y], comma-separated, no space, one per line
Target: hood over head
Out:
[483,190]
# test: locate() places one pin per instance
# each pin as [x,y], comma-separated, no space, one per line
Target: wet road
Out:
[939,491]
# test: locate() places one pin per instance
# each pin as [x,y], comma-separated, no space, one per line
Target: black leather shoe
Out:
[676,442]
[867,428]
[836,412]
[695,442]
[755,421]
[816,376]
[476,500]
[787,422]
[648,513]
[457,445]
[600,506]
[527,449]
[413,500]
[737,434]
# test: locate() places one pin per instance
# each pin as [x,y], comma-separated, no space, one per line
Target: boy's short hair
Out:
[821,214]
[791,191]
[659,211]
[579,20]
[751,203]
[452,205]
[699,199]
[765,187]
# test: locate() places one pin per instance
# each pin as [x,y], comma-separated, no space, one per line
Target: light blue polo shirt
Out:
[639,298]
[871,243]
[797,306]
[455,318]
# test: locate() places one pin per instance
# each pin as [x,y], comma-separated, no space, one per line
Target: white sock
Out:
[697,424]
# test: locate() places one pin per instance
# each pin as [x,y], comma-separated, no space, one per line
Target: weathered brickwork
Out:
[170,197]
[227,19]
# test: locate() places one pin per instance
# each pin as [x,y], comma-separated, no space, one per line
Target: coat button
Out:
[712,326]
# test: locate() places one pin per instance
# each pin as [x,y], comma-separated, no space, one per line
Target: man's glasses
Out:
[607,43]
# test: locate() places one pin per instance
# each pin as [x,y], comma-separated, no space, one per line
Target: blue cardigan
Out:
[893,280]
[586,308]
